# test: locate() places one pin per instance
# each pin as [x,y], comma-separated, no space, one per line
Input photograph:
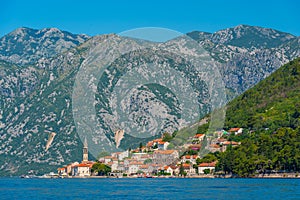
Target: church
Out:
[84,168]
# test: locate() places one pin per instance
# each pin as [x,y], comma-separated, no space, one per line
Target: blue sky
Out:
[99,17]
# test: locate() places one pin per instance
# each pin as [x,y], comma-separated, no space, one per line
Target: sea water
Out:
[143,188]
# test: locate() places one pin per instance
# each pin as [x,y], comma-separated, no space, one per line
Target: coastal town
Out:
[155,159]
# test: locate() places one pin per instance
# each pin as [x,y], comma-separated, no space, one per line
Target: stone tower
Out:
[85,157]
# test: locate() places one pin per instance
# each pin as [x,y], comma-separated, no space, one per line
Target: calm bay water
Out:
[16,188]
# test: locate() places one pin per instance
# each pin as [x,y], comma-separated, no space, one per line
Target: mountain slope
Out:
[27,46]
[270,114]
[272,103]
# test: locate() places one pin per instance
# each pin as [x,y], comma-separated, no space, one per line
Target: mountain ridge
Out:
[27,46]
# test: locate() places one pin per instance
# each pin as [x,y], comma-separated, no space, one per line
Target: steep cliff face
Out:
[40,68]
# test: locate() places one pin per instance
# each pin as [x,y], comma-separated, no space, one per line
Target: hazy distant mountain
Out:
[39,67]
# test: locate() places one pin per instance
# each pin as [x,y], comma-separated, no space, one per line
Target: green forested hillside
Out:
[263,153]
[270,113]
[272,103]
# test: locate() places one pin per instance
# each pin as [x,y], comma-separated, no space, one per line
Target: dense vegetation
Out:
[270,115]
[100,169]
[263,153]
[272,103]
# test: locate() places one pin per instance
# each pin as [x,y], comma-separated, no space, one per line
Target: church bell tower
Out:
[85,151]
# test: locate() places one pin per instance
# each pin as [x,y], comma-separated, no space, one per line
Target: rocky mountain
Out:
[27,46]
[54,81]
[245,36]
[248,54]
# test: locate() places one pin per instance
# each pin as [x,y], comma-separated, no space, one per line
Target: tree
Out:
[208,158]
[181,171]
[206,171]
[100,169]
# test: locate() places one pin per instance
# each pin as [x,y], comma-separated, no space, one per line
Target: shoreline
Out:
[260,176]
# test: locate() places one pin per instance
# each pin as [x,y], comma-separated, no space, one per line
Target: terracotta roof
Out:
[190,156]
[156,165]
[186,165]
[198,135]
[164,151]
[173,167]
[150,144]
[83,165]
[166,167]
[213,164]
[230,142]
[234,129]
[157,140]
[215,146]
[161,142]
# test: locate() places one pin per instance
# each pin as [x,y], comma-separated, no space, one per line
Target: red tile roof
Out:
[190,156]
[186,165]
[213,164]
[84,165]
[164,151]
[215,146]
[234,129]
[230,142]
[150,144]
[198,135]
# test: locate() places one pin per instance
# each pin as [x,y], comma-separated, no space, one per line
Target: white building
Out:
[203,166]
[236,130]
[198,138]
[190,158]
[82,169]
[162,145]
